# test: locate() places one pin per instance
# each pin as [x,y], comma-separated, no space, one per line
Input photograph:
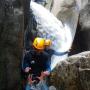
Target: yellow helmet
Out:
[39,43]
[48,42]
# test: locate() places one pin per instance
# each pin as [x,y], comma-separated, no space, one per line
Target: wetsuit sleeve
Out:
[48,64]
[26,61]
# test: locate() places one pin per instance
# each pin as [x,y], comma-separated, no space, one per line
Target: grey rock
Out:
[73,73]
[82,38]
[85,17]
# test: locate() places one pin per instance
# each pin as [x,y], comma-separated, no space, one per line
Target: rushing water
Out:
[50,27]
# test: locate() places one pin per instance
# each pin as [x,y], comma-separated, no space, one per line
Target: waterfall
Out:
[61,34]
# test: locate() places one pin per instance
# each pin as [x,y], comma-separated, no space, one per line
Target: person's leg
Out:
[31,87]
[42,85]
[27,87]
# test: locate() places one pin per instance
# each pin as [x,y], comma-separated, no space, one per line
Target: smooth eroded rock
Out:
[73,73]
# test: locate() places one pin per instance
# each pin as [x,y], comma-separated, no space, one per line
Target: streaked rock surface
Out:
[11,43]
[72,74]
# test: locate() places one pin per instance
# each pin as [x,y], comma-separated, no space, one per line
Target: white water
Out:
[50,27]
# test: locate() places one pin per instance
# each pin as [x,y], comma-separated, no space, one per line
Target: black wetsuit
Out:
[37,61]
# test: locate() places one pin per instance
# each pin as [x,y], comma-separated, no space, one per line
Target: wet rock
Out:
[62,5]
[72,74]
[84,27]
[82,38]
[11,43]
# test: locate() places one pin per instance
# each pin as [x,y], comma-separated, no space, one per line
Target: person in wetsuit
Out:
[37,60]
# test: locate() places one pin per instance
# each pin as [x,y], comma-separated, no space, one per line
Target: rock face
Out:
[62,5]
[84,28]
[82,38]
[72,74]
[11,43]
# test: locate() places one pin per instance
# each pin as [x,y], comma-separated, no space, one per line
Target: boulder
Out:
[73,73]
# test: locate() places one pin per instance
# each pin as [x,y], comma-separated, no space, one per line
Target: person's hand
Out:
[46,73]
[26,51]
[30,81]
[27,69]
[43,75]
